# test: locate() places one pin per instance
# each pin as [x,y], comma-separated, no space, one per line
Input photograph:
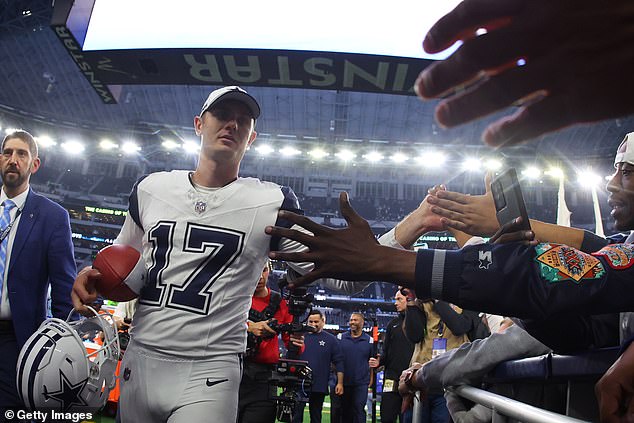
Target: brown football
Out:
[115,262]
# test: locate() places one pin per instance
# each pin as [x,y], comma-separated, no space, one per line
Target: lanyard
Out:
[6,230]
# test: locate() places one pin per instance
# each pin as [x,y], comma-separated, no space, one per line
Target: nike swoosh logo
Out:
[215,382]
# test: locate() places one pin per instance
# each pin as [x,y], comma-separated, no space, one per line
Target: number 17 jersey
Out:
[203,252]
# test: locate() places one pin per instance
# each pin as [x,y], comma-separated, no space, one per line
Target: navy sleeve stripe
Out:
[290,203]
[133,206]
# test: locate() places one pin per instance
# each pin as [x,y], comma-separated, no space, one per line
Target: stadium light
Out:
[493,164]
[531,172]
[45,141]
[432,159]
[264,149]
[399,158]
[588,179]
[289,152]
[10,130]
[472,164]
[555,172]
[73,147]
[191,147]
[169,144]
[317,153]
[107,145]
[130,147]
[373,156]
[346,155]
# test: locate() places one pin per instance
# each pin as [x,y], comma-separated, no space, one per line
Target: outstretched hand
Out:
[471,214]
[575,61]
[351,253]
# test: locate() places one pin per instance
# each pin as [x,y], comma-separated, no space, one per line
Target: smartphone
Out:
[509,202]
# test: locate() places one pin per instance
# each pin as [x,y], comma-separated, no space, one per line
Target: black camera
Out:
[293,376]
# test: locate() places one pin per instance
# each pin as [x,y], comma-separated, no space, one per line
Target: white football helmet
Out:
[55,371]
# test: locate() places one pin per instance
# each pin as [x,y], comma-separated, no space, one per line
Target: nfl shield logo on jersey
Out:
[200,207]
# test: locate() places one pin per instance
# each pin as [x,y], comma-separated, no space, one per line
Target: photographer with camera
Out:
[268,311]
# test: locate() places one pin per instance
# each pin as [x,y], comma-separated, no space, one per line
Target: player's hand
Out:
[420,221]
[471,214]
[615,390]
[84,292]
[373,362]
[297,339]
[261,329]
[339,389]
[351,253]
[577,55]
[512,232]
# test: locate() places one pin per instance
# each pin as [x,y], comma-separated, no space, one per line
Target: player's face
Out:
[17,163]
[316,321]
[621,199]
[400,302]
[226,131]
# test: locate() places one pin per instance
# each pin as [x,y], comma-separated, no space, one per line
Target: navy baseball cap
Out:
[232,93]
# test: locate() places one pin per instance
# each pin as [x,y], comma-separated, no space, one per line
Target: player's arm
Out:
[504,279]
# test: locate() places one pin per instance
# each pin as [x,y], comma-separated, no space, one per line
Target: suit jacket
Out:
[42,253]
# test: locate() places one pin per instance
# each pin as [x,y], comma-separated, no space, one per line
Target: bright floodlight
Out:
[555,172]
[289,152]
[317,154]
[169,144]
[10,130]
[532,172]
[373,156]
[346,155]
[472,164]
[130,147]
[264,149]
[106,144]
[73,147]
[191,147]
[588,179]
[45,141]
[432,159]
[493,164]
[399,158]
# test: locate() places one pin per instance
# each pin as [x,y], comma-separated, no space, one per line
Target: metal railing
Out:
[503,407]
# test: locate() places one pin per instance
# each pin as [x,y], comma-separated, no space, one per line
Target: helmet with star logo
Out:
[56,370]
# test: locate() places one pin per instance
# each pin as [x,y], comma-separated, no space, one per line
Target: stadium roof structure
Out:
[40,81]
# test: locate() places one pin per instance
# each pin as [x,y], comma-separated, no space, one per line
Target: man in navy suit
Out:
[36,244]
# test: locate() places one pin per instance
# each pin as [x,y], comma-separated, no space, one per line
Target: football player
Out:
[203,246]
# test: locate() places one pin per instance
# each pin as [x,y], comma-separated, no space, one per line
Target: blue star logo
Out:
[69,394]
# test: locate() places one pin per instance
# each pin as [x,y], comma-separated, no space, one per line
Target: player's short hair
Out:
[24,136]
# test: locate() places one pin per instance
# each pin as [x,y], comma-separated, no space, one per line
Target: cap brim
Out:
[240,96]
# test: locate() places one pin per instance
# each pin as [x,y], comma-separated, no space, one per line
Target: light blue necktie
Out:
[5,220]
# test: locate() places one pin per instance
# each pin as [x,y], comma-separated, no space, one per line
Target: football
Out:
[115,262]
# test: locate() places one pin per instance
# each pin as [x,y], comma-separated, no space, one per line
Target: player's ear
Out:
[198,123]
[252,138]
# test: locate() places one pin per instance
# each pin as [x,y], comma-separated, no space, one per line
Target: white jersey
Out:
[203,253]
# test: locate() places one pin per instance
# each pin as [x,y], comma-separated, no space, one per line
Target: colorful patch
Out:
[618,256]
[559,263]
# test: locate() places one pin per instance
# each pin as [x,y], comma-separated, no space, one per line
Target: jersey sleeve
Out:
[289,203]
[529,281]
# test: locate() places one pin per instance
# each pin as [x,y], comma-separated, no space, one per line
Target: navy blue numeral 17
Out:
[216,249]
